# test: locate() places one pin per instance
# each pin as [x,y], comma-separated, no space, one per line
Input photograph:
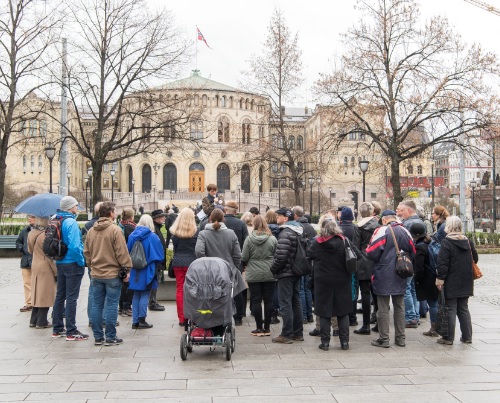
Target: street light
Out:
[50,152]
[319,196]
[279,189]
[133,193]
[473,185]
[259,183]
[90,170]
[68,174]
[155,167]
[311,183]
[330,191]
[238,187]
[363,165]
[86,179]
[112,172]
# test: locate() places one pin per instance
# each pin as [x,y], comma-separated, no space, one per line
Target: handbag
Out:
[170,272]
[476,271]
[351,260]
[442,316]
[138,256]
[404,266]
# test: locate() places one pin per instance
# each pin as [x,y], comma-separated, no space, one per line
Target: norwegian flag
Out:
[201,37]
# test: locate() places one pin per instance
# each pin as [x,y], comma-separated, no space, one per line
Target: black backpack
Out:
[301,265]
[53,244]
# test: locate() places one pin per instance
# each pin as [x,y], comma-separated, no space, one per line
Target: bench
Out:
[8,241]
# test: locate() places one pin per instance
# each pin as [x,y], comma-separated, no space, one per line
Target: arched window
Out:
[291,142]
[146,178]
[130,177]
[196,130]
[223,130]
[204,99]
[223,101]
[231,102]
[40,163]
[410,169]
[345,162]
[245,178]
[170,177]
[24,163]
[245,132]
[419,170]
[241,103]
[352,161]
[32,163]
[280,142]
[300,143]
[196,100]
[223,178]
[216,98]
[247,103]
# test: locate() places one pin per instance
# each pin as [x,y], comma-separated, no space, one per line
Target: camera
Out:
[123,273]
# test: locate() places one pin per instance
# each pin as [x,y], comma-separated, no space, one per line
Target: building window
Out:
[419,170]
[204,99]
[40,163]
[291,142]
[32,163]
[24,163]
[196,132]
[231,102]
[373,196]
[362,136]
[33,127]
[300,143]
[105,182]
[352,136]
[223,101]
[352,162]
[43,128]
[223,130]
[410,169]
[345,162]
[274,168]
[245,132]
[169,132]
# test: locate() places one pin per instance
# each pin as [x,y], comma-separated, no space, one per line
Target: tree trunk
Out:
[96,183]
[396,183]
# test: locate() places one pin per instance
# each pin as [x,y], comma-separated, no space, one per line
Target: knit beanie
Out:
[346,214]
[68,202]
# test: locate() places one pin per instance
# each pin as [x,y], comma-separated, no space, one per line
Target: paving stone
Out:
[482,396]
[12,397]
[67,396]
[395,397]
[272,399]
[171,393]
[350,380]
[127,385]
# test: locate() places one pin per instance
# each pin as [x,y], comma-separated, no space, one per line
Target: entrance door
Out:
[196,181]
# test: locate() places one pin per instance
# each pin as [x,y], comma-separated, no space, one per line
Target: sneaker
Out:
[380,343]
[156,307]
[314,332]
[127,312]
[282,340]
[297,338]
[98,342]
[257,332]
[400,342]
[266,332]
[62,333]
[465,341]
[113,342]
[411,325]
[444,341]
[78,336]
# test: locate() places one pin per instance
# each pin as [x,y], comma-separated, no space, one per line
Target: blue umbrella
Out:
[40,205]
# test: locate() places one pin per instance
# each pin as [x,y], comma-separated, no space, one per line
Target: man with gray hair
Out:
[70,270]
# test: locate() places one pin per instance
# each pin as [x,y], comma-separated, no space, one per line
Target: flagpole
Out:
[196,47]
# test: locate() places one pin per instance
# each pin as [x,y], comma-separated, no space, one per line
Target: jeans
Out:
[69,279]
[423,307]
[433,309]
[305,298]
[291,310]
[262,292]
[364,286]
[459,307]
[180,276]
[140,305]
[90,301]
[383,316]
[106,297]
[411,304]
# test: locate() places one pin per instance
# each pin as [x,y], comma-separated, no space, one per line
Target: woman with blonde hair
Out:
[143,280]
[43,276]
[184,236]
[247,218]
[271,219]
[257,255]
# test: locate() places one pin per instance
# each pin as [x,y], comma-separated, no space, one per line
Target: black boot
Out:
[42,322]
[143,324]
[363,330]
[34,316]
[344,345]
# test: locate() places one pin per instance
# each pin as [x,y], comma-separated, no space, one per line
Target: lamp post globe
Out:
[363,166]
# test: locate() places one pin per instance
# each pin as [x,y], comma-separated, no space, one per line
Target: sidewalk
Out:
[33,366]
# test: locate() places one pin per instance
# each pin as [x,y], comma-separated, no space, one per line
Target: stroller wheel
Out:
[184,347]
[233,339]
[228,346]
[189,348]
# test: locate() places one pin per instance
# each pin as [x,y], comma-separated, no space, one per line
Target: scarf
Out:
[127,222]
[456,235]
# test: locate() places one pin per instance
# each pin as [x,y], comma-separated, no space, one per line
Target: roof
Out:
[197,82]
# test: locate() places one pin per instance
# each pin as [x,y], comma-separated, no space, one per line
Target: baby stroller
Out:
[209,288]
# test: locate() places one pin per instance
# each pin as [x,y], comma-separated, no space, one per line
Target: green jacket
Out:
[258,253]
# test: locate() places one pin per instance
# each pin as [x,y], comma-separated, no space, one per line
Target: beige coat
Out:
[43,272]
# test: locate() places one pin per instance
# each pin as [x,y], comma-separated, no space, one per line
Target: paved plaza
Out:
[33,366]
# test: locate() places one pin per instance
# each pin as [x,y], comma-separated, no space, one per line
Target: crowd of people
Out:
[126,263]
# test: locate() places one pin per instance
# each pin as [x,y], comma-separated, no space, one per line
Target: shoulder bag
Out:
[476,271]
[351,260]
[404,267]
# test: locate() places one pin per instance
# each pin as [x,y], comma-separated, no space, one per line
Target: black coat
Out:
[425,279]
[309,230]
[286,249]
[22,246]
[184,251]
[455,267]
[238,226]
[366,228]
[161,265]
[350,230]
[332,282]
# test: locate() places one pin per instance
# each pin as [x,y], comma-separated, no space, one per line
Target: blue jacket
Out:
[72,237]
[145,279]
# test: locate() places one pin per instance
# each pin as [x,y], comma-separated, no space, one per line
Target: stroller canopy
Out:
[207,291]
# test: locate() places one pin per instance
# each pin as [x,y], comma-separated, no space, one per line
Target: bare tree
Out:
[419,84]
[277,74]
[28,29]
[119,50]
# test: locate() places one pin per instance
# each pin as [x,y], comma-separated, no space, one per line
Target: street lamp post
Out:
[279,190]
[303,194]
[133,193]
[318,181]
[112,172]
[86,179]
[154,196]
[155,167]
[68,174]
[311,183]
[238,187]
[473,185]
[50,152]
[330,192]
[90,170]
[259,183]
[363,165]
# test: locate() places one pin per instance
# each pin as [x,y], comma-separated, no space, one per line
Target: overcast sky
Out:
[235,30]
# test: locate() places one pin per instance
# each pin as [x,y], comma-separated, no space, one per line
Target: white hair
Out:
[146,221]
[453,224]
